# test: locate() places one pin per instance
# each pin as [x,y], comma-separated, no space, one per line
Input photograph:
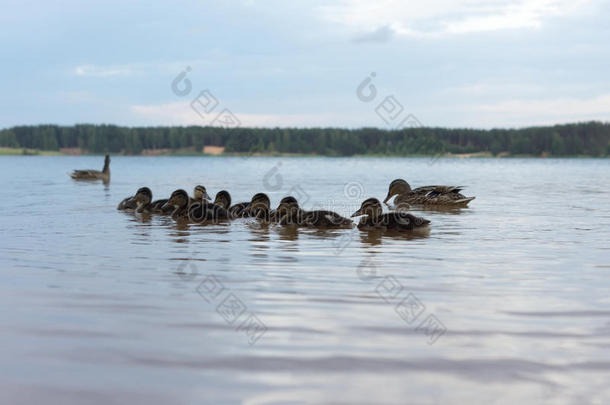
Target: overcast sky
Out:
[454,63]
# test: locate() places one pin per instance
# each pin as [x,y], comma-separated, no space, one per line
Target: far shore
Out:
[220,151]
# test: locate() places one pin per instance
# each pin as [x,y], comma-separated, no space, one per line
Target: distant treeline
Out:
[589,138]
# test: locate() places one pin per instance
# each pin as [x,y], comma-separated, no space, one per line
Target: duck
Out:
[141,202]
[223,199]
[201,211]
[258,207]
[178,202]
[142,199]
[127,204]
[145,204]
[374,218]
[236,210]
[199,194]
[448,196]
[103,175]
[289,213]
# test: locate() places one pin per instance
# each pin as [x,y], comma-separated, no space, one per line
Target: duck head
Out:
[371,207]
[143,196]
[223,199]
[259,204]
[288,206]
[397,187]
[200,193]
[178,199]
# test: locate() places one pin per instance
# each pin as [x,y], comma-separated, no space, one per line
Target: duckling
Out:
[127,204]
[258,207]
[201,211]
[427,195]
[179,201]
[103,175]
[199,194]
[275,215]
[237,210]
[374,218]
[223,199]
[326,219]
[145,204]
[143,199]
[289,213]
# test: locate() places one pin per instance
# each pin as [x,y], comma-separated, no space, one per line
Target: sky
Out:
[347,63]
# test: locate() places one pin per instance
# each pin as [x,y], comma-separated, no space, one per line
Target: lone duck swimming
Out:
[103,175]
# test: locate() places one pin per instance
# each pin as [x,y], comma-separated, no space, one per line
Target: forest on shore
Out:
[578,139]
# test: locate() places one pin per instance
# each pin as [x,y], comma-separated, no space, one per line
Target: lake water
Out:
[505,301]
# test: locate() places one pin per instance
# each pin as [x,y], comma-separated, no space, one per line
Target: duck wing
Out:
[401,220]
[237,210]
[127,204]
[437,190]
[156,207]
[325,219]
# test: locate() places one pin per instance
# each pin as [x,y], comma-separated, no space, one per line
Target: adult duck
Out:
[103,175]
[448,196]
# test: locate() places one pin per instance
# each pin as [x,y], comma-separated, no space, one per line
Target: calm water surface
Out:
[506,301]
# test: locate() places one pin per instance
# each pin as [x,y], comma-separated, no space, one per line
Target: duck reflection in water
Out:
[289,233]
[181,234]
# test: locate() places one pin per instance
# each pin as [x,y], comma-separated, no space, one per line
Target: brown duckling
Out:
[202,211]
[258,207]
[144,203]
[223,199]
[374,218]
[143,199]
[428,195]
[127,204]
[289,213]
[103,175]
[179,201]
[199,194]
[237,210]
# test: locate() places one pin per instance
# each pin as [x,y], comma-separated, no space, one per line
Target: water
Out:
[99,306]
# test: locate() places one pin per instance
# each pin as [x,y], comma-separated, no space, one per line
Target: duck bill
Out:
[357,213]
[206,196]
[247,208]
[385,201]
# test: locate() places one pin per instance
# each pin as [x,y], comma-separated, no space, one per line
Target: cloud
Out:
[445,17]
[381,34]
[102,71]
[181,113]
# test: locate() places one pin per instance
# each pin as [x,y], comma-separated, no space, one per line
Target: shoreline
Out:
[4,151]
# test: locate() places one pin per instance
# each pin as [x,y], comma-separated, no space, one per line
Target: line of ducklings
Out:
[201,209]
